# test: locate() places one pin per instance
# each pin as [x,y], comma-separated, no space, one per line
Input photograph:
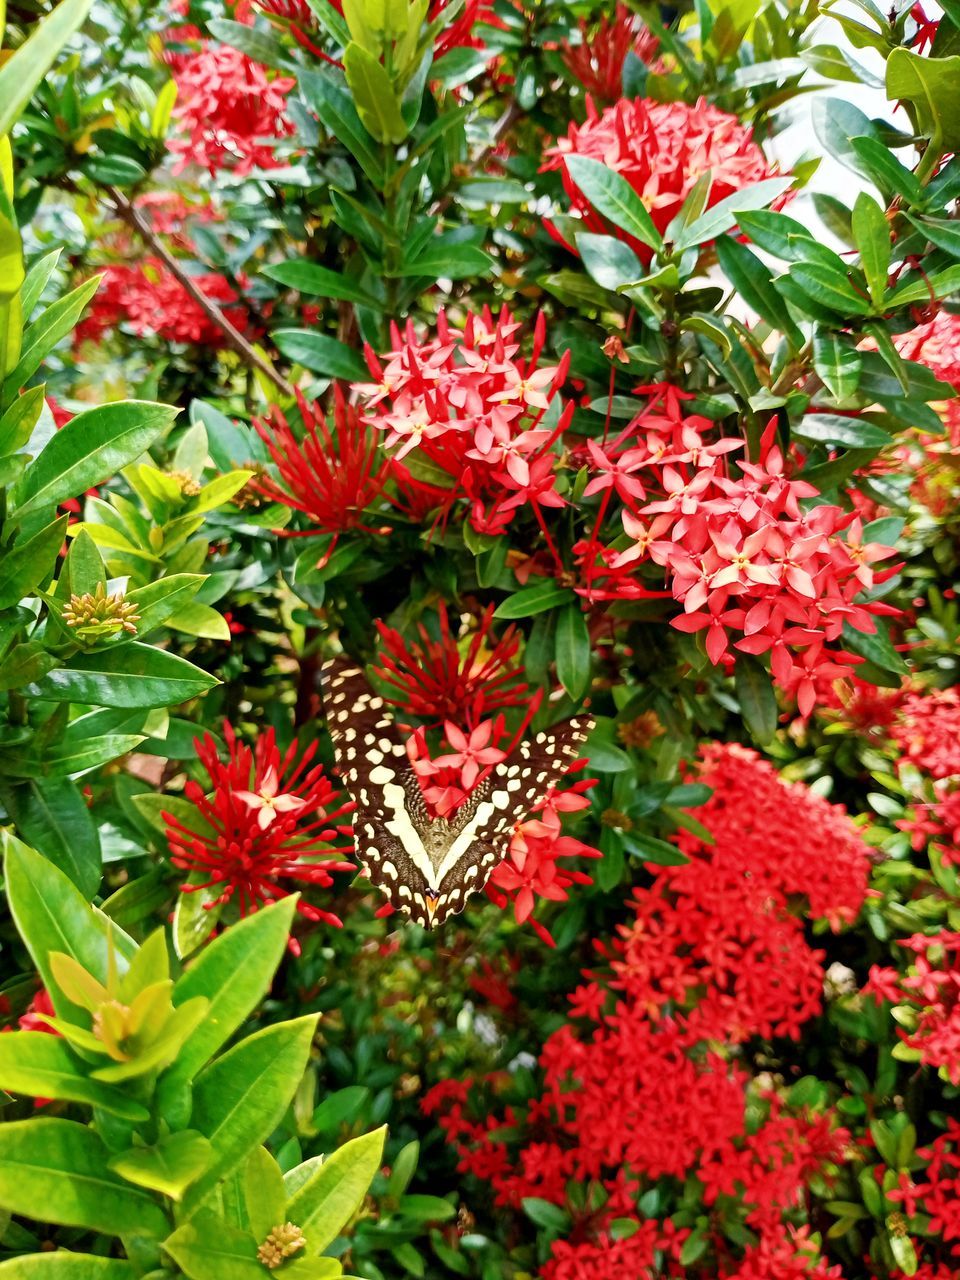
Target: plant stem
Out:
[235,339]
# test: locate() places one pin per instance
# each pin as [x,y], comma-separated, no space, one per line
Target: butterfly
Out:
[428,867]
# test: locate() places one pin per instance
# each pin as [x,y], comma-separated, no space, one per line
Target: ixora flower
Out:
[268,826]
[229,112]
[596,62]
[467,402]
[442,677]
[147,298]
[661,149]
[332,477]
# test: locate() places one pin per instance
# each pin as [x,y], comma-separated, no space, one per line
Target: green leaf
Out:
[884,169]
[129,675]
[841,433]
[943,232]
[573,651]
[608,260]
[59,1168]
[262,46]
[66,1266]
[930,84]
[427,1208]
[374,95]
[158,601]
[30,564]
[450,260]
[546,1214]
[40,1065]
[876,648]
[751,279]
[613,196]
[234,973]
[872,234]
[723,215]
[168,1167]
[52,815]
[22,72]
[328,1200]
[17,424]
[938,285]
[91,448]
[838,364]
[200,620]
[829,288]
[651,849]
[52,915]
[758,703]
[308,278]
[264,1193]
[47,330]
[240,1098]
[320,354]
[339,117]
[211,1249]
[538,598]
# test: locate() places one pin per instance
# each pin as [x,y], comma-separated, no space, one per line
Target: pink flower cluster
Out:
[661,149]
[750,565]
[644,1082]
[229,112]
[483,418]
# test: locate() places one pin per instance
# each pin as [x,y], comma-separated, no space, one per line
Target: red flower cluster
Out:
[931,989]
[469,404]
[434,681]
[937,1196]
[927,731]
[596,62]
[741,555]
[147,298]
[648,1088]
[332,477]
[661,149]
[270,823]
[229,111]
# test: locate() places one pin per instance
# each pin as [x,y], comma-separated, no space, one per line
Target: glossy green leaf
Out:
[608,260]
[320,354]
[758,702]
[60,1167]
[17,424]
[160,600]
[66,1266]
[170,1166]
[751,279]
[240,1098]
[30,562]
[872,234]
[210,1249]
[129,675]
[839,432]
[723,215]
[374,96]
[91,448]
[52,815]
[930,84]
[529,601]
[233,973]
[52,915]
[335,108]
[327,1201]
[838,364]
[449,260]
[573,651]
[611,195]
[49,328]
[39,1065]
[320,282]
[21,73]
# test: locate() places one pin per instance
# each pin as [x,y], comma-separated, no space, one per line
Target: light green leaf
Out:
[129,675]
[837,363]
[40,1065]
[326,1202]
[47,330]
[30,563]
[210,1249]
[872,234]
[930,84]
[168,1167]
[22,73]
[374,95]
[52,815]
[66,1266]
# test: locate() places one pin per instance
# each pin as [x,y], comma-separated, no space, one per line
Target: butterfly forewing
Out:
[429,867]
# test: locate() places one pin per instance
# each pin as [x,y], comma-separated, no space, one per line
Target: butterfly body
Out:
[426,866]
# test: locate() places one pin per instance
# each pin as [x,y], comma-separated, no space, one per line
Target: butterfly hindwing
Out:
[429,867]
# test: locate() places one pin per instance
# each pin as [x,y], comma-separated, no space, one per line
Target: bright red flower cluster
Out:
[269,824]
[596,61]
[147,298]
[647,1087]
[661,149]
[927,731]
[229,112]
[332,477]
[931,989]
[748,563]
[467,402]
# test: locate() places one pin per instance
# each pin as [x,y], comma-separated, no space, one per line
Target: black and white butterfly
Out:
[428,867]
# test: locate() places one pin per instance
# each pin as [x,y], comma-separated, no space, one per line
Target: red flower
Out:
[268,825]
[149,299]
[596,62]
[927,731]
[437,679]
[661,149]
[229,112]
[332,477]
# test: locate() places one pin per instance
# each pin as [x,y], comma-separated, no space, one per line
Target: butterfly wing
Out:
[371,758]
[482,832]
